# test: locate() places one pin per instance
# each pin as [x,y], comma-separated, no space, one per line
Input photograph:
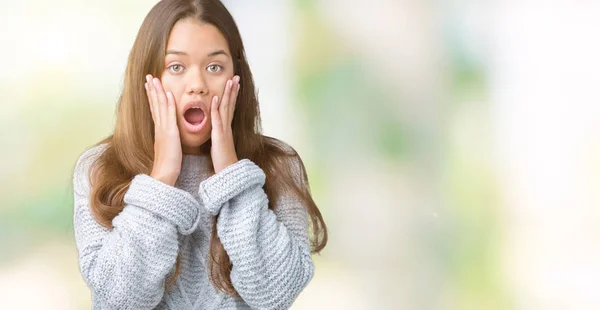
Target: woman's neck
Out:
[203,150]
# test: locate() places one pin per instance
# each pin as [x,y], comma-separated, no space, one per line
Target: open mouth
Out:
[194,116]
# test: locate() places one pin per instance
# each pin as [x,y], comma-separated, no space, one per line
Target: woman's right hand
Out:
[167,144]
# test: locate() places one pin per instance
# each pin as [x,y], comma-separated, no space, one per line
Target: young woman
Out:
[186,205]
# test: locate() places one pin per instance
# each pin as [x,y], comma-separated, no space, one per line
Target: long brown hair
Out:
[130,149]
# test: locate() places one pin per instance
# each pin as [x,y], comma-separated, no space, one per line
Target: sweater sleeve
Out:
[269,251]
[126,267]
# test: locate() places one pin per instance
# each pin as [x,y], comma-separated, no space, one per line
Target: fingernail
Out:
[146,85]
[216,99]
[236,78]
[229,84]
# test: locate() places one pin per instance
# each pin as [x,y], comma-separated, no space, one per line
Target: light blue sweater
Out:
[126,267]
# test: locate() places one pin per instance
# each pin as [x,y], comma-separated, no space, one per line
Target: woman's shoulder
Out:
[278,147]
[91,154]
[284,156]
[85,162]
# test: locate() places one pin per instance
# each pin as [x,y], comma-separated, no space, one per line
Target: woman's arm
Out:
[126,267]
[269,251]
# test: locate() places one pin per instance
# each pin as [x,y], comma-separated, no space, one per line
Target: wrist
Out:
[168,179]
[232,160]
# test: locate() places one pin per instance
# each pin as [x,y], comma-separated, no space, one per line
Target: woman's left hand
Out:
[222,149]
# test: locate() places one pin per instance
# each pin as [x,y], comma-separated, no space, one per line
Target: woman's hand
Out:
[167,144]
[222,149]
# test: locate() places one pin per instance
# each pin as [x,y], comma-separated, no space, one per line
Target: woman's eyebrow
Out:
[176,52]
[212,54]
[219,52]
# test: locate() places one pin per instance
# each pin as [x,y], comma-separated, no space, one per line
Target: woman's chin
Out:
[195,144]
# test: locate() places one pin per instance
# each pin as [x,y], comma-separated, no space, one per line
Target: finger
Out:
[224,105]
[234,95]
[214,113]
[149,101]
[162,101]
[152,99]
[172,116]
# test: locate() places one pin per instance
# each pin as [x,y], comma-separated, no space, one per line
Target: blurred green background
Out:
[453,146]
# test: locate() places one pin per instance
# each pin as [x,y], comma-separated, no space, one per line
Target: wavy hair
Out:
[130,148]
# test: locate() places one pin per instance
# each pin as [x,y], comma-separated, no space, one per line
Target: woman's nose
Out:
[197,84]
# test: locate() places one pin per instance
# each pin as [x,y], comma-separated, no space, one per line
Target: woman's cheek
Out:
[219,86]
[166,83]
[171,85]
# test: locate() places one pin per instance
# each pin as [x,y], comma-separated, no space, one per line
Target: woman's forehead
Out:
[196,39]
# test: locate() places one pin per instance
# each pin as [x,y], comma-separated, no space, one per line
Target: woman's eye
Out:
[176,68]
[214,68]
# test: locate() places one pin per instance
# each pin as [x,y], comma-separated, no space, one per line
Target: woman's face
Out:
[197,66]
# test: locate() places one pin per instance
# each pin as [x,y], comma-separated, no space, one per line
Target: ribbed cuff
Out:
[230,182]
[173,204]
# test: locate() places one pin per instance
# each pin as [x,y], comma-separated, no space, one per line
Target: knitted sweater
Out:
[127,267]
